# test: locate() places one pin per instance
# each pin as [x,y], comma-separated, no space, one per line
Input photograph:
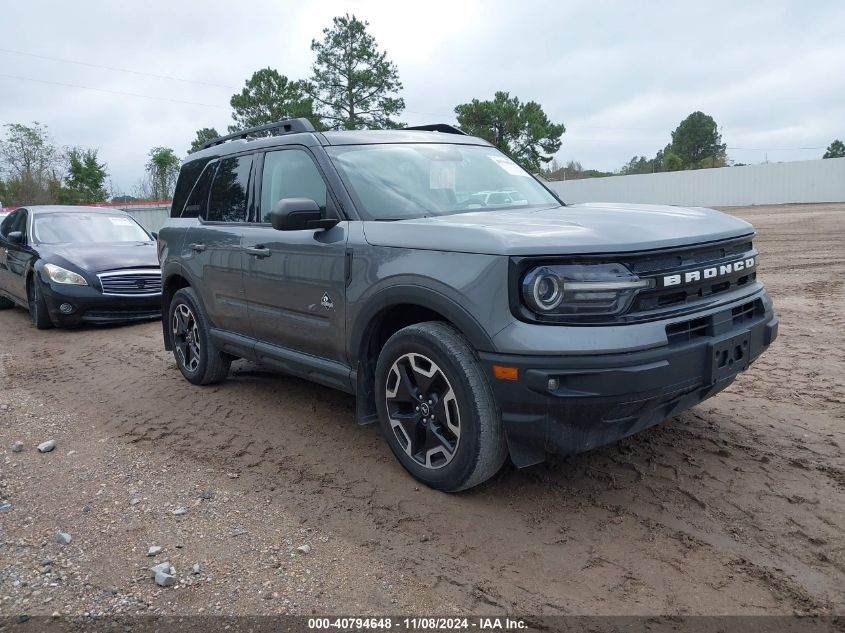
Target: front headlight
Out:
[63,276]
[581,289]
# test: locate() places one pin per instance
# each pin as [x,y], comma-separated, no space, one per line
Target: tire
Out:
[462,442]
[197,357]
[38,306]
[5,303]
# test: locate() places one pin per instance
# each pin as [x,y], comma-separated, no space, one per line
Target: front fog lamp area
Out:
[581,289]
[61,275]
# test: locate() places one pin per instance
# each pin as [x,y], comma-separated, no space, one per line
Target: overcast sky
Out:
[619,75]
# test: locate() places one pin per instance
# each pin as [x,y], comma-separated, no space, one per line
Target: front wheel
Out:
[38,306]
[199,360]
[437,409]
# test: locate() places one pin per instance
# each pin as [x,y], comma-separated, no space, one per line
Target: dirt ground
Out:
[734,507]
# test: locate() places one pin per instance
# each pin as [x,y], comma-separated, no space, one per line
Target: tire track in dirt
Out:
[733,507]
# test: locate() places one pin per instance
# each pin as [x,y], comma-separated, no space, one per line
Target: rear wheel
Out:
[198,358]
[437,409]
[5,303]
[38,306]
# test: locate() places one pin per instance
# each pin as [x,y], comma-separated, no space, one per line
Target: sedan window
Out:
[67,227]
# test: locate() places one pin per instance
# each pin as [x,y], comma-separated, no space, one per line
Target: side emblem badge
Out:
[327,302]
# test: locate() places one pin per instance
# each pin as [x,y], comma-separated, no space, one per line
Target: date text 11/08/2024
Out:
[418,624]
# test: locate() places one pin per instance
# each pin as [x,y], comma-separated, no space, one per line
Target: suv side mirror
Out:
[15,237]
[299,214]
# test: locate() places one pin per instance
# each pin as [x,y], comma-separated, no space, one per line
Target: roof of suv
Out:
[367,137]
[345,137]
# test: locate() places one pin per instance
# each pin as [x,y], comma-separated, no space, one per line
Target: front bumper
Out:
[570,404]
[90,306]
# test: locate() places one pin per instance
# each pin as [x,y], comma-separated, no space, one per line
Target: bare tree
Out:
[31,163]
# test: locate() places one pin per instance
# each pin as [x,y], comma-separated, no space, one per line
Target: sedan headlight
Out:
[581,289]
[64,276]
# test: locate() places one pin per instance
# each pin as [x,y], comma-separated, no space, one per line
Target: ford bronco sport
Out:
[471,312]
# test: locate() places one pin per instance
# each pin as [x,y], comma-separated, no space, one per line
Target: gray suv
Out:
[472,313]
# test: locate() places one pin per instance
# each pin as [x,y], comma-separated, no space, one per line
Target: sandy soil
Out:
[734,507]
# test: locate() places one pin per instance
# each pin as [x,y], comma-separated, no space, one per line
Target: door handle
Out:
[259,250]
[199,248]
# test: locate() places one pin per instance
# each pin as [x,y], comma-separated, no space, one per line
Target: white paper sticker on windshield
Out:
[442,175]
[508,165]
[120,221]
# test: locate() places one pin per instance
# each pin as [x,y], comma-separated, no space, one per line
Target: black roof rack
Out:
[437,127]
[289,126]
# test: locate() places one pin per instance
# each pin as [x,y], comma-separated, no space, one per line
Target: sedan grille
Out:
[132,283]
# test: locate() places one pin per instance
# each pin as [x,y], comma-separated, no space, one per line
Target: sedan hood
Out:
[575,229]
[96,258]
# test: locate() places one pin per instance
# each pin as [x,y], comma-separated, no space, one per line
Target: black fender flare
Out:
[424,297]
[360,333]
[168,271]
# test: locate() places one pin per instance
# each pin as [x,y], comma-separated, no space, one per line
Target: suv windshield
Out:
[396,182]
[61,228]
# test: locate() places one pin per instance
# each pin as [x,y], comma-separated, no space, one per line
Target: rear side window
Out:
[195,206]
[230,190]
[290,174]
[187,177]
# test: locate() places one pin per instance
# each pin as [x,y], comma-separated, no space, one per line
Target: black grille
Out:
[662,298]
[684,258]
[687,330]
[746,312]
[711,256]
[714,324]
[131,282]
[129,314]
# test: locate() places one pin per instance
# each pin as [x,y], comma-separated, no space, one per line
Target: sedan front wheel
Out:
[38,306]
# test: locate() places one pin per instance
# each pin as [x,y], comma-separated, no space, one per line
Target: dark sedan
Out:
[74,265]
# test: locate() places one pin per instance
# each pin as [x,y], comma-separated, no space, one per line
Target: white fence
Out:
[151,217]
[773,183]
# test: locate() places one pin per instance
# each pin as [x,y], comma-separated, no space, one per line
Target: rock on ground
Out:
[165,580]
[161,567]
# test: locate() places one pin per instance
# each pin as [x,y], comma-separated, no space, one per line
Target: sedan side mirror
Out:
[15,237]
[299,214]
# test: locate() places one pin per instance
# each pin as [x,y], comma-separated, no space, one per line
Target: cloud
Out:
[619,75]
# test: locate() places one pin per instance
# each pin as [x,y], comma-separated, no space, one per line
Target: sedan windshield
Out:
[72,227]
[396,182]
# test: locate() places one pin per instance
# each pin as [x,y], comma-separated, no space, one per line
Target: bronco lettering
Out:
[710,273]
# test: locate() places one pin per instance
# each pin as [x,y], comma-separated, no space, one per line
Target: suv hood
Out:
[576,229]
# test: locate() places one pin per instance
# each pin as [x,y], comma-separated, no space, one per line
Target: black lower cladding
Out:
[571,404]
[89,305]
